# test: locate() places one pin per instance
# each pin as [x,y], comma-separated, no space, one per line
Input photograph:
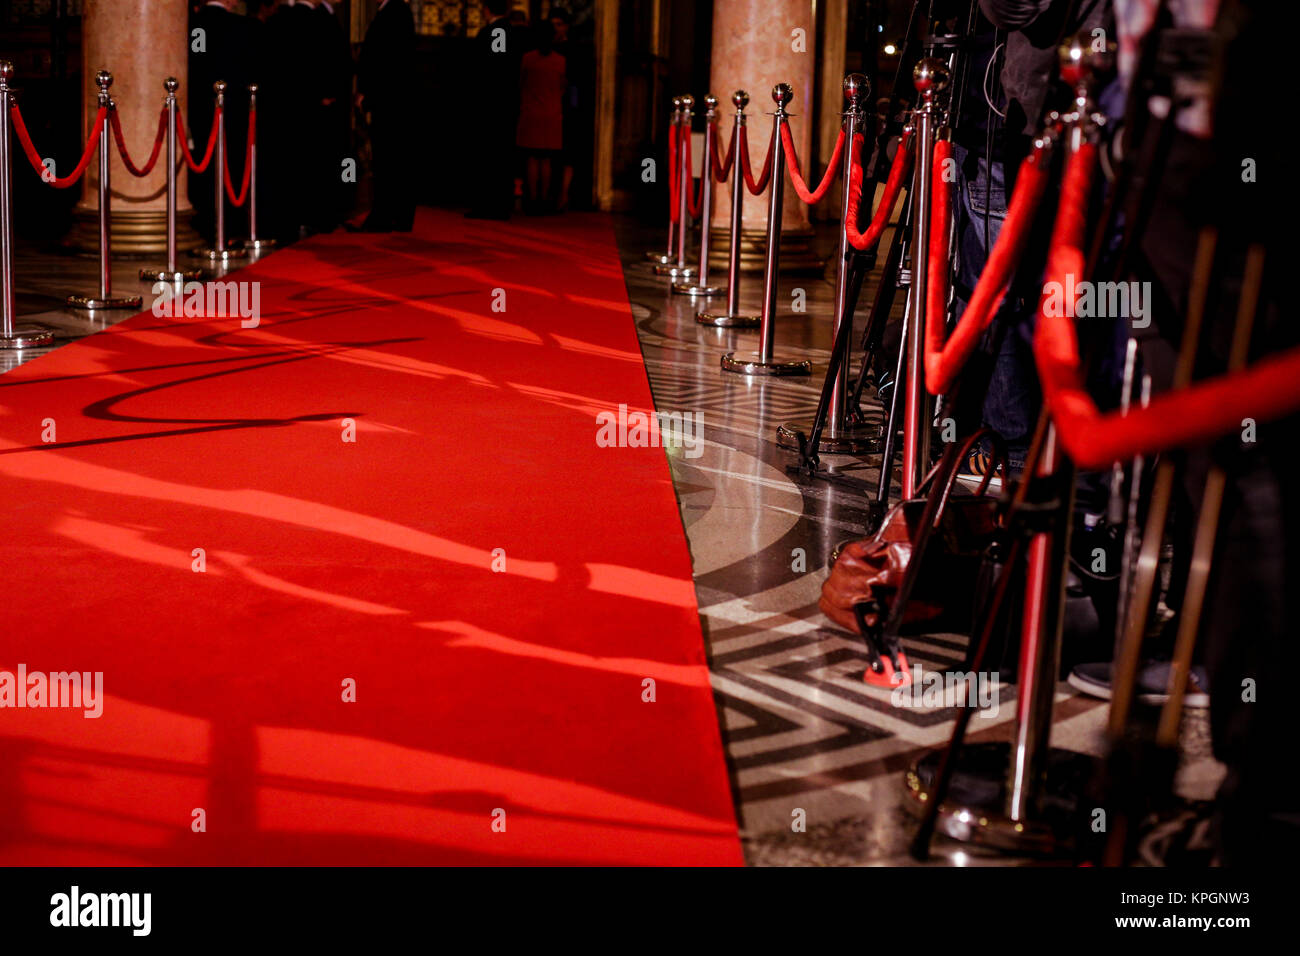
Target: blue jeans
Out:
[1012,403]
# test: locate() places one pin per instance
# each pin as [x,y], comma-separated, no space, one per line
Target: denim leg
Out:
[1012,402]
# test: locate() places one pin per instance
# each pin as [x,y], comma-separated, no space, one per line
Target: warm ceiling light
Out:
[890,49]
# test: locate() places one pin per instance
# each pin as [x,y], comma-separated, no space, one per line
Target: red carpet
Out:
[511,697]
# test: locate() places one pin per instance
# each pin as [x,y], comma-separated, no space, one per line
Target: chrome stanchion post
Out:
[702,286]
[171,273]
[669,257]
[838,436]
[732,318]
[1016,776]
[254,244]
[219,251]
[928,77]
[11,336]
[1043,617]
[678,269]
[764,362]
[105,299]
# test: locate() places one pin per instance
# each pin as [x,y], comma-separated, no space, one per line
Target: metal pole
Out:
[105,299]
[171,273]
[837,435]
[702,286]
[678,269]
[11,336]
[732,318]
[763,362]
[929,77]
[667,258]
[254,244]
[219,252]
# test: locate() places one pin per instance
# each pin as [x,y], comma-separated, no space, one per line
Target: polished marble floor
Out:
[806,738]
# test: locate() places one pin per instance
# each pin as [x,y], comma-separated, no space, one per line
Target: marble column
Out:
[755,47]
[141,42]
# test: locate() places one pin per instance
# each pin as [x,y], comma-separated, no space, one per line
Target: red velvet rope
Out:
[747,169]
[796,177]
[674,159]
[207,153]
[1267,390]
[248,164]
[862,241]
[943,361]
[33,157]
[126,156]
[722,169]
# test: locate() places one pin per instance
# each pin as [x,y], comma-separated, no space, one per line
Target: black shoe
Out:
[1153,683]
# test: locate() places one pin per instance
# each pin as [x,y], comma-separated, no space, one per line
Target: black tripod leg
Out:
[891,426]
[808,460]
[883,302]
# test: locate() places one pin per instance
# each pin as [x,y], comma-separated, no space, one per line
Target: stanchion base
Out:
[851,440]
[27,337]
[162,275]
[94,302]
[721,320]
[257,246]
[751,363]
[690,288]
[673,272]
[660,258]
[975,811]
[219,255]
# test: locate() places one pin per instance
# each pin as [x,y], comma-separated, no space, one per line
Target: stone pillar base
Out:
[797,254]
[135,234]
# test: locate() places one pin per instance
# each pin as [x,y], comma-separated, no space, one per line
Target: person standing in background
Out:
[498,47]
[337,109]
[540,135]
[386,90]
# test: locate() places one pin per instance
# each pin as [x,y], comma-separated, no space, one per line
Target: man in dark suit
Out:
[224,49]
[498,47]
[386,79]
[336,129]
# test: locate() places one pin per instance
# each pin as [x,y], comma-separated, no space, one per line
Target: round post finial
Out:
[782,94]
[856,90]
[1082,61]
[6,70]
[688,102]
[710,103]
[171,85]
[740,99]
[929,76]
[103,79]
[252,88]
[219,86]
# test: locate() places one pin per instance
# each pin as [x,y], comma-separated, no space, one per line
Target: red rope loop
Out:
[207,153]
[722,169]
[131,167]
[33,157]
[862,241]
[796,177]
[750,184]
[1267,390]
[944,361]
[248,164]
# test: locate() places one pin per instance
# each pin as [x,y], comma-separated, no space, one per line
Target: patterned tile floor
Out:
[806,738]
